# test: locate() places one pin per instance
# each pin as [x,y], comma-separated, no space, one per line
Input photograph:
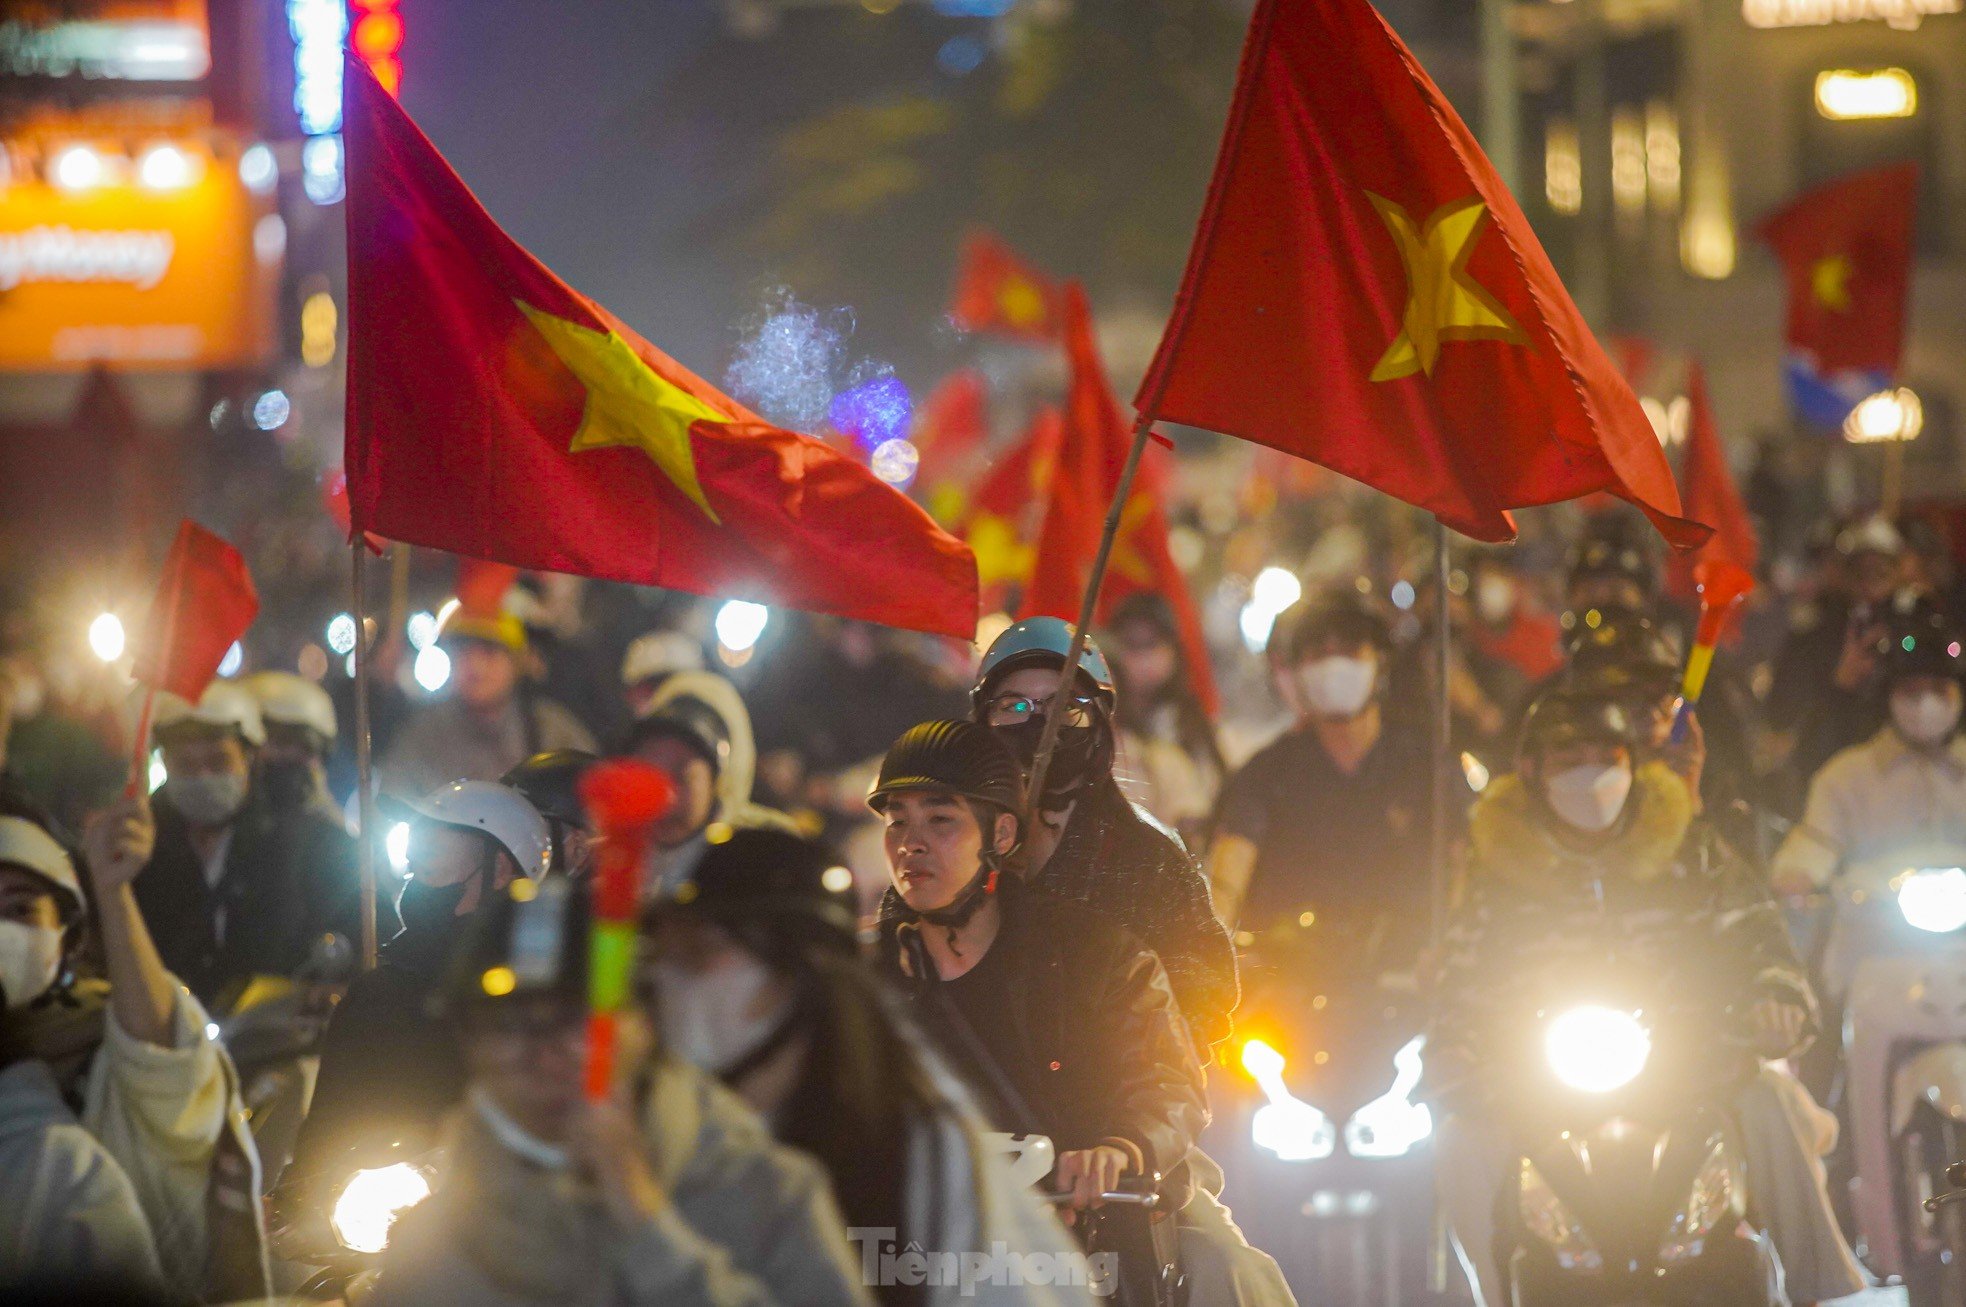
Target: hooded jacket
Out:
[1661,889]
[750,1223]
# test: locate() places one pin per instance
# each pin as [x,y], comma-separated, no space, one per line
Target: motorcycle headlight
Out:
[1392,1125]
[1597,1049]
[370,1202]
[1934,899]
[1285,1125]
[1550,1219]
[1712,1199]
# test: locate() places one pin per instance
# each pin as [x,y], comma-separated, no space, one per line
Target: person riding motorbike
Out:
[1584,844]
[753,973]
[551,783]
[667,1191]
[1063,1021]
[125,1165]
[1087,842]
[1334,817]
[237,886]
[388,1067]
[1905,786]
[292,766]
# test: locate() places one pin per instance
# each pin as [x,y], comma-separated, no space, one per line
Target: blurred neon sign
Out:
[1820,13]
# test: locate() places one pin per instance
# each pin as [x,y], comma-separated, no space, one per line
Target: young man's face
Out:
[530,1060]
[189,753]
[486,674]
[696,787]
[934,847]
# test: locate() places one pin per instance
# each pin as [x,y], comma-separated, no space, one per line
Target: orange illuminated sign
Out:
[142,253]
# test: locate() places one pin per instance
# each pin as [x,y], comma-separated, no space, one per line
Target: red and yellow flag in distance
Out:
[1364,292]
[999,293]
[495,412]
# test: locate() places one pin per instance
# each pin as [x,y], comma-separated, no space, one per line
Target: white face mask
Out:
[208,800]
[1337,686]
[1494,597]
[30,959]
[1925,718]
[1589,798]
[706,1016]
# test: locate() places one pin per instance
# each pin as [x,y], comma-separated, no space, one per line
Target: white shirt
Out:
[1873,799]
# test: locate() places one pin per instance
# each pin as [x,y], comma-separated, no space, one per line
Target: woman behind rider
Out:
[753,974]
[1170,762]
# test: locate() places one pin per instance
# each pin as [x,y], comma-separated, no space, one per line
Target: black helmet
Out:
[691,720]
[763,876]
[962,758]
[551,783]
[1343,613]
[1625,656]
[1921,641]
[1572,715]
[529,943]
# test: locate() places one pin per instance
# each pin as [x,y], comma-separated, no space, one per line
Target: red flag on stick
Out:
[1846,256]
[1091,456]
[1707,486]
[495,412]
[1364,292]
[998,292]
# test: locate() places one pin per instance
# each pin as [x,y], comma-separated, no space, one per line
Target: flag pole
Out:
[1443,733]
[1048,742]
[364,781]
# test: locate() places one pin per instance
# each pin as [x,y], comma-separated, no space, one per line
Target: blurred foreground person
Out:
[292,768]
[1170,762]
[1088,843]
[671,1192]
[1063,1021]
[755,977]
[550,782]
[125,1165]
[494,719]
[388,1067]
[238,885]
[1584,857]
[1334,817]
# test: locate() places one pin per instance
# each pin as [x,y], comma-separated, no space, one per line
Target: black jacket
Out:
[289,878]
[1114,1062]
[1120,863]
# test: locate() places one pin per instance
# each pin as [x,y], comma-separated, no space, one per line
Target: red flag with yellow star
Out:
[998,292]
[1846,255]
[495,412]
[1002,518]
[1090,459]
[1364,292]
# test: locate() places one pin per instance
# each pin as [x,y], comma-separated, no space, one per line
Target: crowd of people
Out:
[868,974]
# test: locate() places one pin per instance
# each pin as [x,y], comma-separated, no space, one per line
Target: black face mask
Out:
[287,785]
[430,911]
[1073,762]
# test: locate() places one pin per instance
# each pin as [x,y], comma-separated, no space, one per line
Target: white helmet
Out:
[289,700]
[740,764]
[25,845]
[657,654]
[224,703]
[500,812]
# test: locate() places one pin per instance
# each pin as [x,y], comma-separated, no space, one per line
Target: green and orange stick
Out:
[624,798]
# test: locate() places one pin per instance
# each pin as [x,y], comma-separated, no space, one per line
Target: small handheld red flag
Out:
[1364,292]
[998,292]
[624,798]
[1707,486]
[205,601]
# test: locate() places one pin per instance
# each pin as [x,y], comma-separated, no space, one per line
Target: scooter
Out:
[1130,1243]
[1328,1154]
[1897,954]
[1628,1183]
[331,1228]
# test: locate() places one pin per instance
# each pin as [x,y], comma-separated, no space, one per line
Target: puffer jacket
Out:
[1130,869]
[1674,900]
[1097,1011]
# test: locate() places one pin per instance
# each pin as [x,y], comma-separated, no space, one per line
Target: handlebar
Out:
[1149,1201]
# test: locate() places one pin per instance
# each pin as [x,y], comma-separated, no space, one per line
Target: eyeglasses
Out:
[1016,709]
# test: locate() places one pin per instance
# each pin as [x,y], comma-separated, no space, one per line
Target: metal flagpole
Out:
[364,780]
[1443,734]
[1048,742]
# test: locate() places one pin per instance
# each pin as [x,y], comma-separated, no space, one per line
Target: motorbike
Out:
[1130,1243]
[1896,956]
[329,1229]
[1627,1183]
[1327,1153]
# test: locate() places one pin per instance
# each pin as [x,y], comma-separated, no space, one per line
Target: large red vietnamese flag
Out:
[1846,255]
[497,413]
[1364,292]
[1091,457]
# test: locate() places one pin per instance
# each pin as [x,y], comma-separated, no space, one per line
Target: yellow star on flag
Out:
[628,404]
[1829,279]
[1000,555]
[1021,302]
[1128,561]
[1443,301]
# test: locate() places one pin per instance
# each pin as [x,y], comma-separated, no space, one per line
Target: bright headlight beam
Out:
[1392,1125]
[1934,899]
[1597,1049]
[106,637]
[372,1200]
[1285,1125]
